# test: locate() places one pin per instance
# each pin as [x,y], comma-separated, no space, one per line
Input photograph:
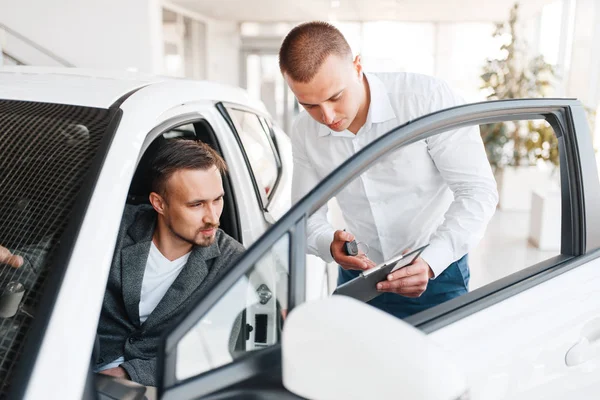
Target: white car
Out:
[75,147]
[531,335]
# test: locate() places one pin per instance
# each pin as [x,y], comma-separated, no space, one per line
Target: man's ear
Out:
[358,65]
[157,202]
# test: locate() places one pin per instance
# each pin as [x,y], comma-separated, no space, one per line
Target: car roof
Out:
[97,88]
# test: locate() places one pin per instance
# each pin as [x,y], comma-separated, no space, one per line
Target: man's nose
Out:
[328,115]
[212,216]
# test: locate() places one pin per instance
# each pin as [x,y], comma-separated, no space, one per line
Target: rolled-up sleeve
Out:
[460,157]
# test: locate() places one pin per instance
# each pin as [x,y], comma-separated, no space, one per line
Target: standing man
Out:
[440,190]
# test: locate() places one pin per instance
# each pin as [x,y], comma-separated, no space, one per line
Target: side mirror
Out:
[340,348]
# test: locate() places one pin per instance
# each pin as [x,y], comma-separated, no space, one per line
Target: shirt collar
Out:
[380,109]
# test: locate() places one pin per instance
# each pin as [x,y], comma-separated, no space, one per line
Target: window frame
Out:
[263,199]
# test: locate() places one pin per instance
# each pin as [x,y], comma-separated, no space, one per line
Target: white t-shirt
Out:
[159,275]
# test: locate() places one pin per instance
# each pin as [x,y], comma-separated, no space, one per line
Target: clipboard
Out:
[364,286]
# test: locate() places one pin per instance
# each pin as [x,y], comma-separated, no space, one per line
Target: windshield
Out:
[46,151]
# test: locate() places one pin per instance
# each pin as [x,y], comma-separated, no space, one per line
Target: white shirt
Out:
[440,190]
[159,275]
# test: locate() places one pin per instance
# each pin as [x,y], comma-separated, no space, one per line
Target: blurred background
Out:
[236,41]
[485,49]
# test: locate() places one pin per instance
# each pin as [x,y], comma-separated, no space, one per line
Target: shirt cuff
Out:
[324,245]
[439,257]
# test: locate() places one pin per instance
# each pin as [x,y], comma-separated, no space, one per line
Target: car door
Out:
[532,334]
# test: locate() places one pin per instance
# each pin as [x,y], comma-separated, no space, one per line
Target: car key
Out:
[351,248]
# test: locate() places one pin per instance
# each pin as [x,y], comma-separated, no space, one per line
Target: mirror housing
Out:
[340,348]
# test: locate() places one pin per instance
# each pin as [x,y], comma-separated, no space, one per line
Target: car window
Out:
[526,228]
[46,152]
[261,153]
[248,317]
[410,198]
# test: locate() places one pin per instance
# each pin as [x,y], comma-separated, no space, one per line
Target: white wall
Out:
[461,51]
[112,34]
[223,45]
[584,75]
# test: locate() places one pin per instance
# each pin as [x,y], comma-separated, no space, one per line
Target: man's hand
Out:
[117,372]
[360,262]
[409,281]
[9,258]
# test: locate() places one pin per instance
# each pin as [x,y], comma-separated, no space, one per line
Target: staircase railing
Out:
[8,34]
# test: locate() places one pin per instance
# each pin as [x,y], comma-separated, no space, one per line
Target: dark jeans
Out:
[451,283]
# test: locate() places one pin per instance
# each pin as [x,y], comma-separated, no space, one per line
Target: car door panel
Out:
[516,349]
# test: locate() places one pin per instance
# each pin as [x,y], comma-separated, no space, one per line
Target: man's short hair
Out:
[181,154]
[307,46]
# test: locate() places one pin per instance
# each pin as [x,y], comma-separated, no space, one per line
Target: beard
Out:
[206,241]
[199,239]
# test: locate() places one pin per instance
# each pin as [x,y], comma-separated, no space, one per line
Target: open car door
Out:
[532,334]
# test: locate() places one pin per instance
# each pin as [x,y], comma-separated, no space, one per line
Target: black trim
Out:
[119,102]
[461,307]
[267,392]
[259,194]
[451,311]
[229,121]
[571,193]
[266,386]
[297,265]
[89,390]
[59,264]
[247,367]
[231,199]
[275,150]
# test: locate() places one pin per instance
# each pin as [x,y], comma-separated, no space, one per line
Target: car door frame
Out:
[224,108]
[580,229]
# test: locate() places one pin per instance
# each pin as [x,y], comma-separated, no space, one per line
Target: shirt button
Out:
[131,340]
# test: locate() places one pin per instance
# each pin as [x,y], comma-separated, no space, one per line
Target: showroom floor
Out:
[504,249]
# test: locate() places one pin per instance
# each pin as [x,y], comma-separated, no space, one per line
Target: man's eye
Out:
[308,106]
[197,204]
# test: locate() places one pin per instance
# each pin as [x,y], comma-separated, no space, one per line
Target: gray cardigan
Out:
[119,331]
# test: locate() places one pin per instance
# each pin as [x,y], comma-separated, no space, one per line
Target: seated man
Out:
[166,256]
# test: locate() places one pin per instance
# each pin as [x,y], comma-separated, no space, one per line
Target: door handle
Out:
[588,346]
